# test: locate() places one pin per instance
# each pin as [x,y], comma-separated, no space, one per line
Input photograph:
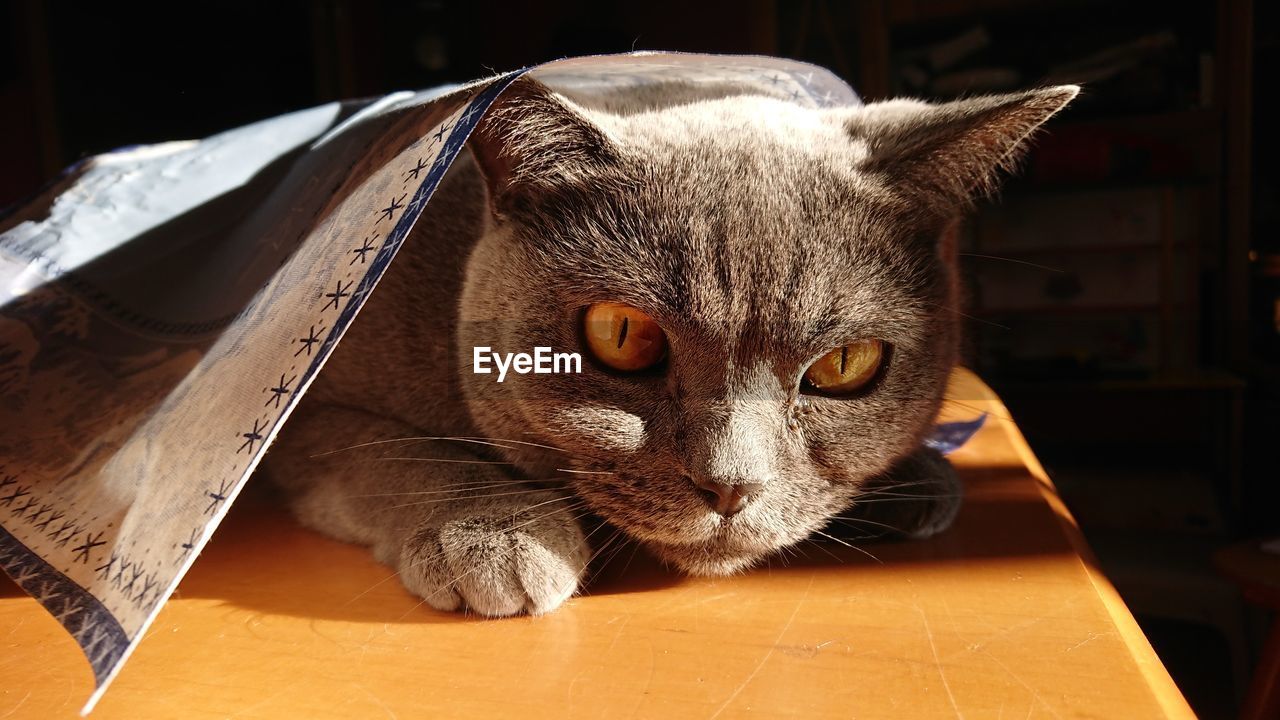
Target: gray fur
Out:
[759,234]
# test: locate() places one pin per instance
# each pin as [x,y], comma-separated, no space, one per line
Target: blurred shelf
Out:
[1073,310]
[1139,495]
[1191,120]
[1160,559]
[1021,186]
[1265,374]
[1070,250]
[907,12]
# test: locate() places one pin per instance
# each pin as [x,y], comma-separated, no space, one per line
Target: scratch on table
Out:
[625,621]
[390,713]
[247,710]
[1092,636]
[315,626]
[1035,694]
[981,647]
[974,647]
[648,683]
[786,626]
[712,598]
[573,684]
[804,650]
[14,709]
[21,621]
[938,662]
[364,646]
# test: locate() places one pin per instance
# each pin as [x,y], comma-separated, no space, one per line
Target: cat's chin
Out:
[708,560]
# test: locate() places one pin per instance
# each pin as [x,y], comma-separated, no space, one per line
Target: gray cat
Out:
[764,299]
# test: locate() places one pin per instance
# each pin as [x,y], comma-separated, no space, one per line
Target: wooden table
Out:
[1006,615]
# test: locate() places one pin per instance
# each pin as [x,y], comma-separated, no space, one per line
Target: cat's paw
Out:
[496,564]
[919,499]
[937,498]
[937,513]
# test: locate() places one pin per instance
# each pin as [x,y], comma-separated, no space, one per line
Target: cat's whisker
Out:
[902,497]
[370,589]
[455,491]
[869,537]
[410,611]
[967,316]
[503,443]
[891,495]
[464,488]
[890,492]
[609,542]
[576,504]
[586,567]
[356,447]
[836,557]
[463,498]
[635,548]
[849,545]
[865,521]
[1013,260]
[617,550]
[879,536]
[977,409]
[619,541]
[370,443]
[768,561]
[606,541]
[896,485]
[787,553]
[585,472]
[450,460]
[585,456]
[492,442]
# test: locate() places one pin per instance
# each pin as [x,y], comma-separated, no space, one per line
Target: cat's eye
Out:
[623,338]
[847,368]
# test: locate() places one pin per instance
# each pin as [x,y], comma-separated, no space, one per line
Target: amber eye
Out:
[846,368]
[623,338]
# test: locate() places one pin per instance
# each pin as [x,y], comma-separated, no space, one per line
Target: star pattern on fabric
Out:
[91,541]
[389,212]
[366,247]
[311,339]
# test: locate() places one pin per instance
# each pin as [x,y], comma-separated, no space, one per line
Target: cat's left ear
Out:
[534,140]
[952,151]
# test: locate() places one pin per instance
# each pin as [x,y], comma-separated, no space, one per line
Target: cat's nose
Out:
[725,498]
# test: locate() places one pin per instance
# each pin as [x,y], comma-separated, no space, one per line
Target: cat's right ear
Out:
[952,152]
[532,141]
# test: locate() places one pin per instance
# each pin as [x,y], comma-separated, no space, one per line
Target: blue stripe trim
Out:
[951,436]
[96,630]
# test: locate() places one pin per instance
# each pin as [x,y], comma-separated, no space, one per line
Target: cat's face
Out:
[758,237]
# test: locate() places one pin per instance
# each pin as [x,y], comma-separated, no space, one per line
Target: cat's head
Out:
[744,240]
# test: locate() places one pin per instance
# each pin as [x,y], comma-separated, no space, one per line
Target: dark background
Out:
[1125,291]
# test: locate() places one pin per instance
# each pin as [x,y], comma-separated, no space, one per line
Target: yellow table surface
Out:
[1004,616]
